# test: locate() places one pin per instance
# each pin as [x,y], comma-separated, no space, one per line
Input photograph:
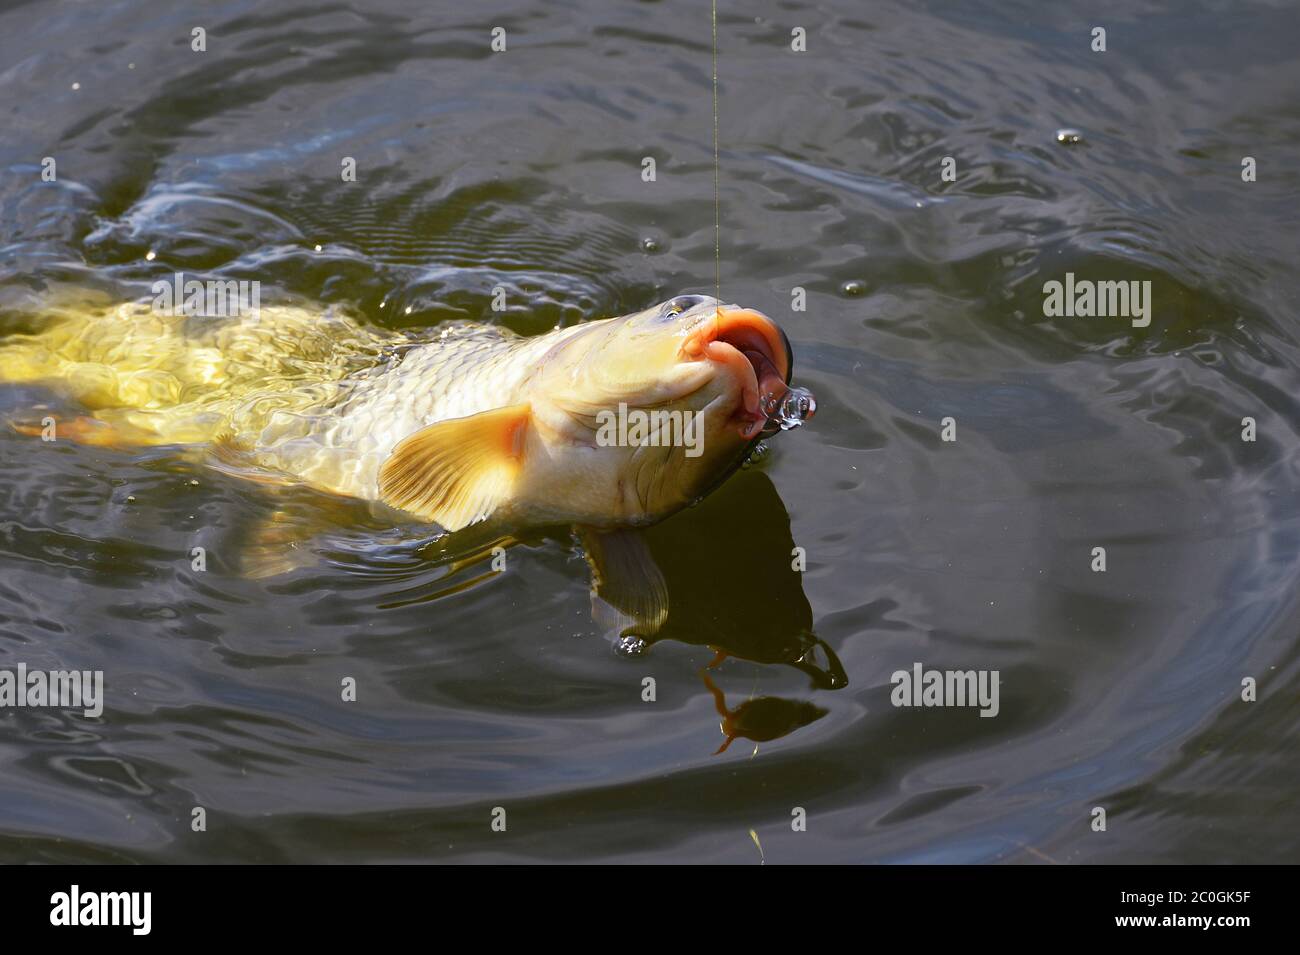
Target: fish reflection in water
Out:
[739,542]
[762,718]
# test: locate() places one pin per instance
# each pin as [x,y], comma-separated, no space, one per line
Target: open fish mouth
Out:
[756,349]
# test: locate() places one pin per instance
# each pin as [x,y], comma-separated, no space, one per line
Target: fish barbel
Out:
[451,425]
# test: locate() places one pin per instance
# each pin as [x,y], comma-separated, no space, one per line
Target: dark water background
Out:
[522,169]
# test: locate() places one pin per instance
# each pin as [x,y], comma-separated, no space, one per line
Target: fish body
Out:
[451,425]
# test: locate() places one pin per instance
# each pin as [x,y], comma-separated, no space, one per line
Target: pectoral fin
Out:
[628,593]
[457,472]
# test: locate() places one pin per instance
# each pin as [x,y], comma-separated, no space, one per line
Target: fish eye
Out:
[682,303]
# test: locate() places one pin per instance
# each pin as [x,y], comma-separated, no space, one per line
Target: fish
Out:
[607,425]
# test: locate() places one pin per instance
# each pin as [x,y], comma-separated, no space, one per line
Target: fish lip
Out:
[729,337]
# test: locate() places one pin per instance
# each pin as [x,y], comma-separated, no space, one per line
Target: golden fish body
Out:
[451,425]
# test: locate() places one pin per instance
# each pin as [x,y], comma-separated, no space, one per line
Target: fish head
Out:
[669,396]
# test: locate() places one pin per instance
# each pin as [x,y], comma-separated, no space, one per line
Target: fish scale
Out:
[341,446]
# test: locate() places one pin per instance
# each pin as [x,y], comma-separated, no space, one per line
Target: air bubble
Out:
[789,410]
[756,455]
[630,645]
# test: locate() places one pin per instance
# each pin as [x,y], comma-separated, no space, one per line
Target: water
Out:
[478,688]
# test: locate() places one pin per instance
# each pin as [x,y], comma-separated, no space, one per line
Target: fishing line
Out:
[717,199]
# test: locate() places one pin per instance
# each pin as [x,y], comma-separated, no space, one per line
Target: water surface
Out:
[522,169]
